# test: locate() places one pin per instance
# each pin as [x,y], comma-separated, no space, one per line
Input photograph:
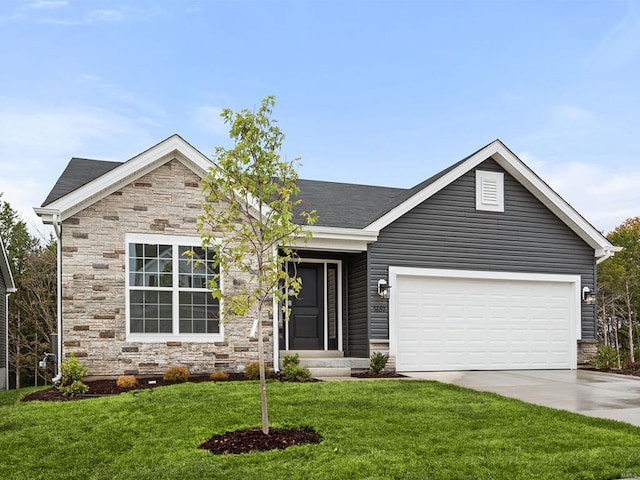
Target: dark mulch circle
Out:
[370,374]
[253,440]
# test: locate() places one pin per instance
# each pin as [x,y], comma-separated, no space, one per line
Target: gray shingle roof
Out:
[343,205]
[79,171]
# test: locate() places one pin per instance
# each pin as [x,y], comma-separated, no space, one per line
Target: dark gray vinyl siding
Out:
[3,323]
[447,232]
[356,336]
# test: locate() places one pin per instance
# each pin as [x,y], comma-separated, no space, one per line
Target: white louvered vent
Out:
[490,191]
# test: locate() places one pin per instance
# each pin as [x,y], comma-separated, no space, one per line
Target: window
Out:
[490,191]
[167,292]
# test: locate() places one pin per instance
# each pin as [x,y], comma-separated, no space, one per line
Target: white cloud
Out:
[47,4]
[104,15]
[604,197]
[621,44]
[37,143]
[206,119]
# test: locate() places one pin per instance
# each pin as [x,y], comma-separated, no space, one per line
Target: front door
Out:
[306,327]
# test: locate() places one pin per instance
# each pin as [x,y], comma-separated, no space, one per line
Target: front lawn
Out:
[372,429]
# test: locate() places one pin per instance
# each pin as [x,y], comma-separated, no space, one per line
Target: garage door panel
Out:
[445,323]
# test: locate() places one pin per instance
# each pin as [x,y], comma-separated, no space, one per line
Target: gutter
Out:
[606,253]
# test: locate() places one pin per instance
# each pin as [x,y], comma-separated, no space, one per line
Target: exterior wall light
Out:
[383,288]
[588,296]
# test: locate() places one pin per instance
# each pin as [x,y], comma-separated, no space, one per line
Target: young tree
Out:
[248,218]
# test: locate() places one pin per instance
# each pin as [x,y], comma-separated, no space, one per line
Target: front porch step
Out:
[313,353]
[327,363]
[317,372]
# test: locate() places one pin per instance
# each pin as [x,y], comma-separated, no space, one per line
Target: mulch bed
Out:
[370,374]
[253,440]
[101,388]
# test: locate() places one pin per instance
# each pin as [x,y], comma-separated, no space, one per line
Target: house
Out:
[7,286]
[480,267]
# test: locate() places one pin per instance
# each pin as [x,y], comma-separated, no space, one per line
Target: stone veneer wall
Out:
[165,201]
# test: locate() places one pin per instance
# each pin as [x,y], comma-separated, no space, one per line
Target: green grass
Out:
[371,429]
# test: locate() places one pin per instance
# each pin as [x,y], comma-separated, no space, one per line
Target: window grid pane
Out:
[151,304]
[150,311]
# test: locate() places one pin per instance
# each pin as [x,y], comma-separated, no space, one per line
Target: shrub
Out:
[290,360]
[219,376]
[72,370]
[126,381]
[295,373]
[176,375]
[71,374]
[607,358]
[252,371]
[377,362]
[76,388]
[292,371]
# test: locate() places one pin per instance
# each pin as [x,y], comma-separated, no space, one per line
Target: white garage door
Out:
[453,320]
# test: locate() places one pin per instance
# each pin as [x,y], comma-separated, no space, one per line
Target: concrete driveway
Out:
[596,394]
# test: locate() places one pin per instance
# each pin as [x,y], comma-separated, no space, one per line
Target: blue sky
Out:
[374,92]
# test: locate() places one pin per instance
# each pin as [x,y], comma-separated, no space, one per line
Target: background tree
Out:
[252,228]
[32,308]
[619,291]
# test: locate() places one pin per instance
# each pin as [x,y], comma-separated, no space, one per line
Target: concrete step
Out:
[313,353]
[330,372]
[344,362]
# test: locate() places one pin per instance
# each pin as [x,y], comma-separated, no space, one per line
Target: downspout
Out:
[58,229]
[275,337]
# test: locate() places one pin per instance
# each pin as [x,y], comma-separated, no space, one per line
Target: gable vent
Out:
[490,191]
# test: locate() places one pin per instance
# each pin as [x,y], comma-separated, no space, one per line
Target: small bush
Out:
[290,360]
[76,388]
[295,373]
[219,376]
[252,371]
[377,362]
[607,358]
[176,375]
[72,372]
[127,381]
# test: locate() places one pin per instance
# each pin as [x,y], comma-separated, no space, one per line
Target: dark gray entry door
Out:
[307,310]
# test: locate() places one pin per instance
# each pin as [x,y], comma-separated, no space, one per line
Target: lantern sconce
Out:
[588,296]
[383,288]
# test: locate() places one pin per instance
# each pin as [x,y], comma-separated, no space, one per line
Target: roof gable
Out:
[103,178]
[517,169]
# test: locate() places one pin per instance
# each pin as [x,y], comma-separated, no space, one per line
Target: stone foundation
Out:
[587,349]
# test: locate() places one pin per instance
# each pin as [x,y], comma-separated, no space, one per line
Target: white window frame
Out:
[483,177]
[176,336]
